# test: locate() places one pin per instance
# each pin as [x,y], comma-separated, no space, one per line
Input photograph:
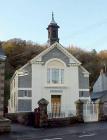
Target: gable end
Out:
[55,53]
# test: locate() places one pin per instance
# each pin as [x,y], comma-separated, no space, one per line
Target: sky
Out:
[83,23]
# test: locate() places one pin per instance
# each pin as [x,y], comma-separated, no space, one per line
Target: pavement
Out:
[20,132]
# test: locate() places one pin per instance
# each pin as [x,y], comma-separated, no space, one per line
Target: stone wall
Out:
[25,118]
[2,68]
[5,124]
[59,122]
[28,119]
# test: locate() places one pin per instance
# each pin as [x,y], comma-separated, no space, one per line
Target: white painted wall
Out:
[37,79]
[70,89]
[13,94]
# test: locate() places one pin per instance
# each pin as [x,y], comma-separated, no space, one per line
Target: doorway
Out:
[56,105]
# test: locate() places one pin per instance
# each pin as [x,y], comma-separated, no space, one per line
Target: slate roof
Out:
[53,22]
[2,54]
[98,95]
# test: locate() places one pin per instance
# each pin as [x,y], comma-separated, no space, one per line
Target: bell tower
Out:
[52,31]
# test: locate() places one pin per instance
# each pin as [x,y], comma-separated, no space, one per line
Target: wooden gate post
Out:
[100,109]
[37,117]
[43,112]
[79,110]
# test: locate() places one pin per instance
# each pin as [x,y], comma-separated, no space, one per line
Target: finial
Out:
[53,21]
[52,15]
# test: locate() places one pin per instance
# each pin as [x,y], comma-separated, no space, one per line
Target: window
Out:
[24,93]
[55,76]
[48,76]
[83,93]
[14,82]
[12,100]
[24,105]
[54,34]
[62,76]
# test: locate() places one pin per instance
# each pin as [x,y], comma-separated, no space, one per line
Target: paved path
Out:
[20,132]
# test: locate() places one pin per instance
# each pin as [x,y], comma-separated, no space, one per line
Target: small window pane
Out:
[48,76]
[24,93]
[62,76]
[24,105]
[55,76]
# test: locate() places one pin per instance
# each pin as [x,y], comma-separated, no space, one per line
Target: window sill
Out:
[84,97]
[55,86]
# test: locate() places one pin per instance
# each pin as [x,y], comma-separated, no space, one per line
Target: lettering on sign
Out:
[56,91]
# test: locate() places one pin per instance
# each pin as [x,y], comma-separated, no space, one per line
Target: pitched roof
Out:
[98,95]
[2,54]
[61,48]
[101,83]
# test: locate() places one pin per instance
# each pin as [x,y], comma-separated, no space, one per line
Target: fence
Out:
[90,112]
[58,111]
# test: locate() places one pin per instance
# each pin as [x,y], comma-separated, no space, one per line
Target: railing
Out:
[58,111]
[59,115]
[56,115]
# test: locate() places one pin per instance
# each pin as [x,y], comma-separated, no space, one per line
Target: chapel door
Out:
[56,105]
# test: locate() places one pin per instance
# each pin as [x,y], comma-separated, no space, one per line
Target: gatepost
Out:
[79,110]
[4,123]
[43,112]
[100,110]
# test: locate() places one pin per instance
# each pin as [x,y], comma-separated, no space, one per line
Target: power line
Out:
[89,28]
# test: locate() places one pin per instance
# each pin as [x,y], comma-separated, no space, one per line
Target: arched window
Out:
[55,72]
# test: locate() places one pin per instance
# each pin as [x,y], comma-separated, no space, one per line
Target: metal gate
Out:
[90,112]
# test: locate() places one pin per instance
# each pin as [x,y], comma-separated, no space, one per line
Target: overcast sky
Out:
[82,22]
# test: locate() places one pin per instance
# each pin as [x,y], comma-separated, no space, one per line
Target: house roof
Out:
[61,48]
[53,20]
[84,70]
[101,82]
[2,54]
[98,95]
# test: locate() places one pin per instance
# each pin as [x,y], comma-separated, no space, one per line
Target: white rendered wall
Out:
[36,84]
[13,95]
[70,89]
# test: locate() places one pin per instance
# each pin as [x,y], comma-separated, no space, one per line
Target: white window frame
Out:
[60,76]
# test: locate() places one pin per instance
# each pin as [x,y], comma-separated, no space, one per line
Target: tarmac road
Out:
[85,131]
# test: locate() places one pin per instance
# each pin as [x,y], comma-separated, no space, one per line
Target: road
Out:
[96,135]
[87,131]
